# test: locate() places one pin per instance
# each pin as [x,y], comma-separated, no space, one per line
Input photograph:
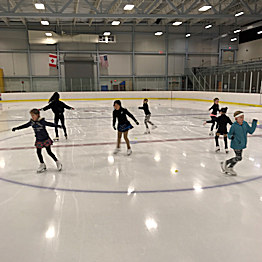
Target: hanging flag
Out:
[52,60]
[104,61]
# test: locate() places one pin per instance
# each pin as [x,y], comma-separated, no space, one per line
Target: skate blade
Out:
[42,171]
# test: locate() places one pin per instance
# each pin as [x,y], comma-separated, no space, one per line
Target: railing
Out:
[106,83]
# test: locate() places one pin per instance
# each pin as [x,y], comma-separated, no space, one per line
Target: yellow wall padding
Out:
[2,86]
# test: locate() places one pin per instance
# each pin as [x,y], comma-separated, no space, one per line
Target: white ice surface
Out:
[108,215]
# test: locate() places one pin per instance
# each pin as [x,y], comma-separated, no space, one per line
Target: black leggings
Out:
[213,122]
[225,140]
[48,150]
[231,162]
[62,119]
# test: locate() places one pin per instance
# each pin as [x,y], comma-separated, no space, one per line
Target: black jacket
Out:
[58,107]
[222,122]
[145,108]
[120,115]
[39,127]
[215,109]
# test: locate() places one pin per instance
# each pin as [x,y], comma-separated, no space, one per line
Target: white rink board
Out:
[254,99]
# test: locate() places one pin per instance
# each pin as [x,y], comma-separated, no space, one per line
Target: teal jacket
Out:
[238,134]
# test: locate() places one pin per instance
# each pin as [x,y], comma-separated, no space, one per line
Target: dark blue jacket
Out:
[39,127]
[238,134]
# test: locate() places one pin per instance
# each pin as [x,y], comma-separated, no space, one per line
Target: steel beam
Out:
[2,8]
[65,6]
[213,6]
[124,16]
[247,6]
[48,7]
[92,7]
[17,5]
[173,6]
[96,5]
[8,5]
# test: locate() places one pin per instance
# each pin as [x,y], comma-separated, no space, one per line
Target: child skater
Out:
[124,125]
[213,115]
[42,138]
[238,136]
[58,108]
[222,122]
[147,116]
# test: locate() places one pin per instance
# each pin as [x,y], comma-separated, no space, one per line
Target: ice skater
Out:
[238,136]
[42,138]
[123,126]
[58,108]
[222,122]
[147,116]
[213,114]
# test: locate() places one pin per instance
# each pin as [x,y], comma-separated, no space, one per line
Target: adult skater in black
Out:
[213,114]
[147,116]
[222,122]
[58,108]
[42,138]
[123,126]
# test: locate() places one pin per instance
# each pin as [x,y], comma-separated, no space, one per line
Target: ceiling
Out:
[153,12]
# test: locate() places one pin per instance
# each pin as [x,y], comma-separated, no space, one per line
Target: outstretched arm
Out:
[251,129]
[22,126]
[67,107]
[46,123]
[131,116]
[46,107]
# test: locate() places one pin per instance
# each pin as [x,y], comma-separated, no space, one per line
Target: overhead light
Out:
[233,39]
[44,22]
[224,35]
[48,34]
[177,23]
[205,8]
[116,23]
[188,35]
[237,31]
[107,33]
[39,6]
[208,26]
[239,14]
[259,33]
[158,33]
[128,7]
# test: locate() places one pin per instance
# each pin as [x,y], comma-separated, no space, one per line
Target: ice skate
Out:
[217,149]
[211,133]
[231,171]
[147,131]
[227,151]
[116,151]
[66,137]
[224,167]
[129,152]
[59,165]
[56,139]
[41,168]
[154,127]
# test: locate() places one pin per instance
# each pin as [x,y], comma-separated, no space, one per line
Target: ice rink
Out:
[168,201]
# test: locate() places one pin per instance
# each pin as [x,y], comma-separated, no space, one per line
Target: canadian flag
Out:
[52,60]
